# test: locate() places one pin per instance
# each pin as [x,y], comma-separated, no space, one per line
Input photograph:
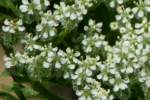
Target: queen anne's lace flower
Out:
[97,70]
[11,26]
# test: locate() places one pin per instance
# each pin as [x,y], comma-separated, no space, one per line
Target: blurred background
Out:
[4,81]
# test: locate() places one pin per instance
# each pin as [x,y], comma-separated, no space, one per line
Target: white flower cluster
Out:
[131,53]
[92,41]
[142,8]
[68,63]
[48,21]
[33,6]
[11,26]
[31,44]
[92,91]
[145,77]
[86,87]
[88,72]
[17,59]
[66,15]
[72,12]
[114,3]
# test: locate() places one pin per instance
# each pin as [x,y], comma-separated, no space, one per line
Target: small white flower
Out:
[129,70]
[91,22]
[105,78]
[38,7]
[61,53]
[112,81]
[94,92]
[57,65]
[99,25]
[79,93]
[93,67]
[25,2]
[67,14]
[116,88]
[86,28]
[66,75]
[39,27]
[49,59]
[99,76]
[8,64]
[12,30]
[46,3]
[112,4]
[5,28]
[22,60]
[88,72]
[77,54]
[89,49]
[79,70]
[122,29]
[21,29]
[114,25]
[38,47]
[135,10]
[123,86]
[82,98]
[63,60]
[50,54]
[84,11]
[98,44]
[19,22]
[46,65]
[120,1]
[89,80]
[23,8]
[72,66]
[84,42]
[74,76]
[52,33]
[45,35]
[6,22]
[37,2]
[140,14]
[79,82]
[113,71]
[73,16]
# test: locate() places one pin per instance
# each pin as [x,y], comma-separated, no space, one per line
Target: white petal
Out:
[5,28]
[25,2]
[52,33]
[72,66]
[6,22]
[19,22]
[88,72]
[99,76]
[21,28]
[58,65]
[129,70]
[39,27]
[23,8]
[8,64]
[46,65]
[73,16]
[37,2]
[140,13]
[98,44]
[46,3]
[116,88]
